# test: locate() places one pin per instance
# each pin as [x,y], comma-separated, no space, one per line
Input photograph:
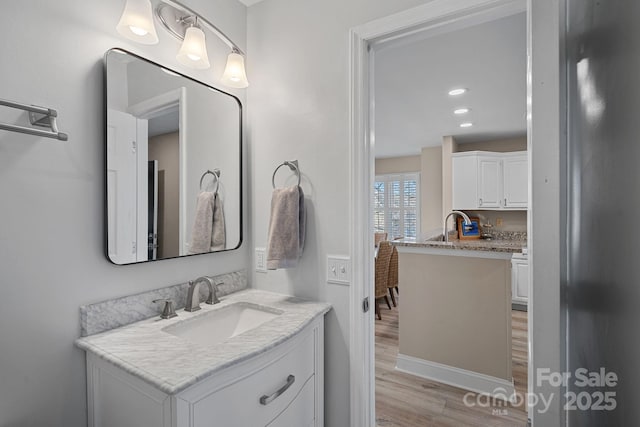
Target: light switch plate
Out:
[339,269]
[261,260]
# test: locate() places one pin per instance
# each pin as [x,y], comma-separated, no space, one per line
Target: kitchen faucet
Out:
[193,296]
[465,218]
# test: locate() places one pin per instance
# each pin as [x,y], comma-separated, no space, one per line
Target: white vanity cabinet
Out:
[519,279]
[486,180]
[281,387]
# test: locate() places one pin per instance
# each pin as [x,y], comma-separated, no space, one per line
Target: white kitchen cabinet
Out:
[487,180]
[516,190]
[283,386]
[519,279]
[464,181]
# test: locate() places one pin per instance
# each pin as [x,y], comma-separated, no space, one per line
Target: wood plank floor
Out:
[404,400]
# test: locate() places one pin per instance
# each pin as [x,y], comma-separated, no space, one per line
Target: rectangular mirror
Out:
[173,163]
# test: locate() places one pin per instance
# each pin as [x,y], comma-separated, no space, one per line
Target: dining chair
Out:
[382,274]
[379,237]
[392,282]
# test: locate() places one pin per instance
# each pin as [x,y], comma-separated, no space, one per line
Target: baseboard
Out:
[462,378]
[519,306]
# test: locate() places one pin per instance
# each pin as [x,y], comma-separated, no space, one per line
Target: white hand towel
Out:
[208,232]
[202,230]
[286,228]
[218,234]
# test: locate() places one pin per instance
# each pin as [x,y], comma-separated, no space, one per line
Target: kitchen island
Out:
[455,318]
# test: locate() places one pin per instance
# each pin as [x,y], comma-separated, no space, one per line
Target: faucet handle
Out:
[216,289]
[168,311]
[213,294]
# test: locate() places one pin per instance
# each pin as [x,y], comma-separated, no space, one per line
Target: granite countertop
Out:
[172,364]
[493,245]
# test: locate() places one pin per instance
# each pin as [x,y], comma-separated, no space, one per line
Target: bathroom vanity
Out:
[255,359]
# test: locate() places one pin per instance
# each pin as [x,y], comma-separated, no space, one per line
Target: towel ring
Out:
[216,174]
[293,165]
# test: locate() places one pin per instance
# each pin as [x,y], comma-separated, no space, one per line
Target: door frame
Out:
[154,107]
[432,16]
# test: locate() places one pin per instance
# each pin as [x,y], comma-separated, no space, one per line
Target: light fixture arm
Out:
[175,17]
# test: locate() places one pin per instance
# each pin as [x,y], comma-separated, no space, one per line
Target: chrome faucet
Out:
[465,218]
[193,296]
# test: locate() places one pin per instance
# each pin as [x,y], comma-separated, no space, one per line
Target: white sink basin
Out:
[223,323]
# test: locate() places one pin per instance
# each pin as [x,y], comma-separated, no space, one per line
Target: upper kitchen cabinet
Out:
[516,191]
[491,181]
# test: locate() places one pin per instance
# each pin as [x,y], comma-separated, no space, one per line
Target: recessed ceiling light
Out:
[466,125]
[461,111]
[457,91]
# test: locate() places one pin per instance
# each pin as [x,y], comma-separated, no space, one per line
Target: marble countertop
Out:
[507,246]
[172,364]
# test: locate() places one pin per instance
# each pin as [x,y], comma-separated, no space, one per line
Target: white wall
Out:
[298,109]
[51,233]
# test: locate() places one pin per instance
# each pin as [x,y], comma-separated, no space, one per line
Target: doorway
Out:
[430,17]
[423,373]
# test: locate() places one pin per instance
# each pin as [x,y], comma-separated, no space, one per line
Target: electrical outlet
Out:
[339,269]
[261,260]
[498,222]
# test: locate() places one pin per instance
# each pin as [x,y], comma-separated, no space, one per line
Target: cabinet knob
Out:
[479,202]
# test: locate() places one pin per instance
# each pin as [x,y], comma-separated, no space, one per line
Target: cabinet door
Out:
[516,193]
[464,180]
[520,281]
[489,182]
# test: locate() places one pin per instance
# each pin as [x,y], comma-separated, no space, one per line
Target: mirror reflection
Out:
[173,163]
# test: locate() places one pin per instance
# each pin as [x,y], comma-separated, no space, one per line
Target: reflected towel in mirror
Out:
[208,232]
[286,228]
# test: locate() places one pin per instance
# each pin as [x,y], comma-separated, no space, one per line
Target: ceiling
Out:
[249,2]
[412,80]
[166,123]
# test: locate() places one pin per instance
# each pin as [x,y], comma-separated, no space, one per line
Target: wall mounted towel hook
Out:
[216,175]
[293,165]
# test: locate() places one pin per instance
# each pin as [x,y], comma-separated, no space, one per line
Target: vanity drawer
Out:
[238,404]
[301,410]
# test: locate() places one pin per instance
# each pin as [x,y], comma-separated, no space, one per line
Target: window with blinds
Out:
[396,205]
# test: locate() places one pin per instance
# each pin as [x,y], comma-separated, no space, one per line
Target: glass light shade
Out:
[136,22]
[234,74]
[193,52]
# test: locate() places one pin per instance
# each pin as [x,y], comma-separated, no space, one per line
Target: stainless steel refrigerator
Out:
[602,287]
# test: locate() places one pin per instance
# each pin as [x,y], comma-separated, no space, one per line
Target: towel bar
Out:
[216,174]
[293,165]
[38,116]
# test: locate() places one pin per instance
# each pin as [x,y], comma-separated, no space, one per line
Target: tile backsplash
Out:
[110,314]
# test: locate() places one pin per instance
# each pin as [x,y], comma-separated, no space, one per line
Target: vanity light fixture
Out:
[234,74]
[136,22]
[193,51]
[189,27]
[457,91]
[466,125]
[461,111]
[183,23]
